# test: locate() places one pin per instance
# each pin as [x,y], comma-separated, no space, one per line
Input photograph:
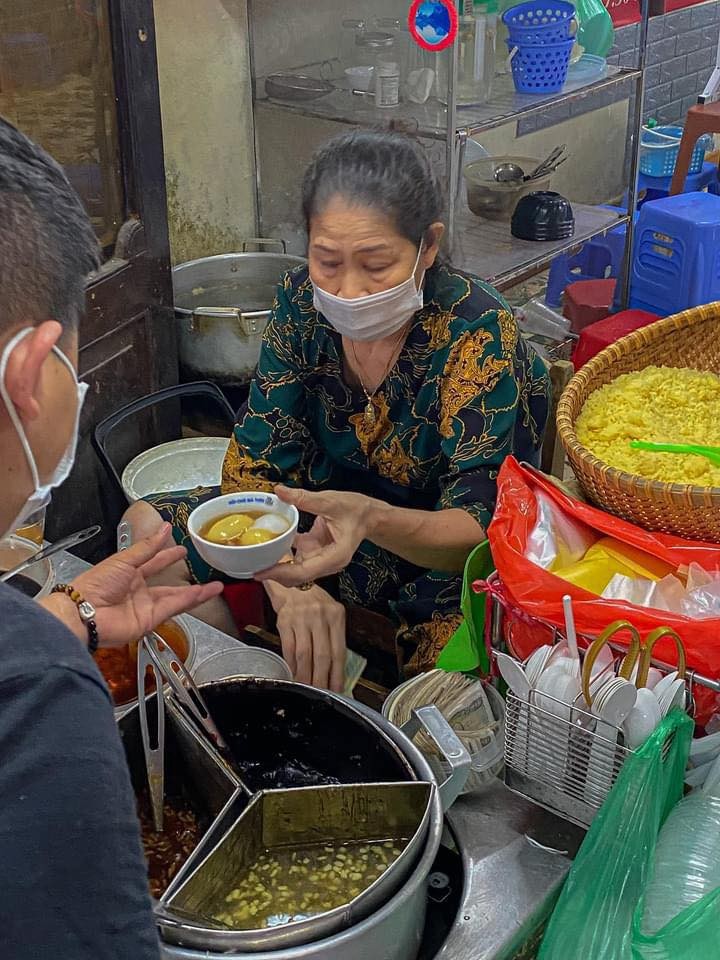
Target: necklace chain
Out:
[370,414]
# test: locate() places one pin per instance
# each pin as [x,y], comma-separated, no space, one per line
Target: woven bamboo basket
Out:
[688,339]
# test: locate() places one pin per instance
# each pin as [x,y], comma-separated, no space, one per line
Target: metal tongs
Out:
[154,750]
[183,688]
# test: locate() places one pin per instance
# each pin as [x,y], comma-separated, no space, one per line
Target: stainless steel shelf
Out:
[488,250]
[427,119]
[430,119]
[506,104]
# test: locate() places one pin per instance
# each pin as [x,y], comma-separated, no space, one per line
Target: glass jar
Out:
[477,30]
[377,47]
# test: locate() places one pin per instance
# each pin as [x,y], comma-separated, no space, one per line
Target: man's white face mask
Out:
[41,491]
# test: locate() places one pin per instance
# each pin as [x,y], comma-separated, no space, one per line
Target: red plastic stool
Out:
[602,333]
[587,301]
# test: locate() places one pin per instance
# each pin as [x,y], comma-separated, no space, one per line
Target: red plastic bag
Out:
[538,593]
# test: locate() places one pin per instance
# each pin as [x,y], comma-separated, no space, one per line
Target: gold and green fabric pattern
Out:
[466,392]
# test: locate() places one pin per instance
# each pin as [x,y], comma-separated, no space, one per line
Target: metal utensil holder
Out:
[548,759]
[562,765]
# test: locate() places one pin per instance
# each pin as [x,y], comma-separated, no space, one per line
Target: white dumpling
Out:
[272,522]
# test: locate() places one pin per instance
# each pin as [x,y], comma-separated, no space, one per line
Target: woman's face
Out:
[355,250]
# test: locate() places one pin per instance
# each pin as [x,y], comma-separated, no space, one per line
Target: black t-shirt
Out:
[73,880]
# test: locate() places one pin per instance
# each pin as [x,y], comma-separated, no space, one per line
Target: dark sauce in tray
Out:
[282,738]
[283,773]
[166,852]
[26,585]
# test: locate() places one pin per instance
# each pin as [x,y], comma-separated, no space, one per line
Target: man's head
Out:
[47,250]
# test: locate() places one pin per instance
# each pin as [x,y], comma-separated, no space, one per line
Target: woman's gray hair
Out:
[47,243]
[387,171]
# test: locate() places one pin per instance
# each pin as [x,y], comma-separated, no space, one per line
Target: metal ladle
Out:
[508,173]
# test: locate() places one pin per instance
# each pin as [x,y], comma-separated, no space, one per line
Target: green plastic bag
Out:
[691,935]
[593,919]
[465,651]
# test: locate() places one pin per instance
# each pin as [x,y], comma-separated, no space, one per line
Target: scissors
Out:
[637,650]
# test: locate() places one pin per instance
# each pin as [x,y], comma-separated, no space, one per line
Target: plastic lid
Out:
[374,39]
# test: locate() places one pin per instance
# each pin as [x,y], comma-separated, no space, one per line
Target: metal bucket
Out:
[394,931]
[223,304]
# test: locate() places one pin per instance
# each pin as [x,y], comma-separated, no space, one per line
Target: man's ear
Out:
[22,377]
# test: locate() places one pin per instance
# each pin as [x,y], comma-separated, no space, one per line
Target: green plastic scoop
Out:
[710,453]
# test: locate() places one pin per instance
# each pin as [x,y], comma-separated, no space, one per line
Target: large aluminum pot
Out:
[223,304]
[394,932]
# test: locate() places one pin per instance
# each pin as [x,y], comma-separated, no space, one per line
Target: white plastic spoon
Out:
[643,718]
[513,675]
[571,633]
[612,704]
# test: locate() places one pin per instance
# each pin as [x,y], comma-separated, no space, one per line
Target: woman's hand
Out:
[126,606]
[342,523]
[312,630]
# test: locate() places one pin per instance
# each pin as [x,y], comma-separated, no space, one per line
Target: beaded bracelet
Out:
[86,611]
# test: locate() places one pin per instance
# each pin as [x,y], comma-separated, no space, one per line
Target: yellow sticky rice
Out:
[660,404]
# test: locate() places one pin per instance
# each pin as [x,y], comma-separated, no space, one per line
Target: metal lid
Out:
[176,465]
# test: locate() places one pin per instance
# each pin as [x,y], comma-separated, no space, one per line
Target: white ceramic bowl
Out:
[242,563]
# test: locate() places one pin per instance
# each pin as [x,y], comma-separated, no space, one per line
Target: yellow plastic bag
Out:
[608,557]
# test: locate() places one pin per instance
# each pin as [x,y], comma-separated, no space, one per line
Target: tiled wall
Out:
[681,57]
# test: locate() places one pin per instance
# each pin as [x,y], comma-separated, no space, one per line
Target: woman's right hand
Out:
[311,625]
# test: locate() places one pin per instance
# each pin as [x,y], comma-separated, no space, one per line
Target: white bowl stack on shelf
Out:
[475,711]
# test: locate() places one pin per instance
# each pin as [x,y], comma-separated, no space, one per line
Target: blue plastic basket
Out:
[540,68]
[535,22]
[658,155]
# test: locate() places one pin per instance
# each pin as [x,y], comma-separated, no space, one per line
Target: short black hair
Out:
[382,169]
[47,243]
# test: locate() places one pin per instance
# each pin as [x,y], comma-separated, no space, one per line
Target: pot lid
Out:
[177,465]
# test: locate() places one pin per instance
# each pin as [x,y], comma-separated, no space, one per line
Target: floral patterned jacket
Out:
[465,393]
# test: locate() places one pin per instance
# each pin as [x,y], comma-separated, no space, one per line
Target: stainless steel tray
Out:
[193,775]
[306,816]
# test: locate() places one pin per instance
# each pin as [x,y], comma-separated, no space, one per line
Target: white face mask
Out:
[41,491]
[376,315]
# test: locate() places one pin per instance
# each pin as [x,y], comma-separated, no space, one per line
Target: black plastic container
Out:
[543,215]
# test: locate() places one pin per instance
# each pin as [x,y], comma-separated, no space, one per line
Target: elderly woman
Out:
[389,390]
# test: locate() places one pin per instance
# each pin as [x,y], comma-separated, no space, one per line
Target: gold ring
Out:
[308,585]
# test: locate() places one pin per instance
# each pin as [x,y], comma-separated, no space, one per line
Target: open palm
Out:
[126,606]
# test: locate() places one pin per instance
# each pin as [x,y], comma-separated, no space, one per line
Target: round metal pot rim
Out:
[398,902]
[185,267]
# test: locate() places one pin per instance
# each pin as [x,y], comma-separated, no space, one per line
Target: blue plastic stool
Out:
[598,259]
[676,257]
[656,187]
